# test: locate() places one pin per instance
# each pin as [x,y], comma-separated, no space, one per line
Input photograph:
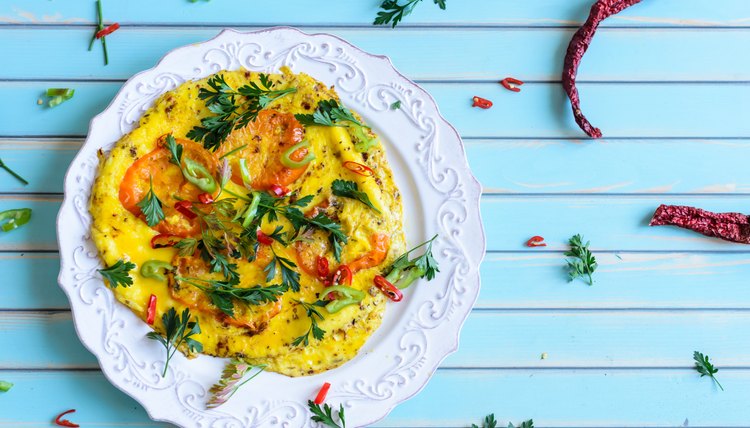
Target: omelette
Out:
[262,205]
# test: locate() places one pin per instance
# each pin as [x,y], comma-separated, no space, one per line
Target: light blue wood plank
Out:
[30,281]
[540,111]
[529,167]
[424,54]
[453,398]
[509,222]
[531,279]
[467,12]
[490,339]
[526,279]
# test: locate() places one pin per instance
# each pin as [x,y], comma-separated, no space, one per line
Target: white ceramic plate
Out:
[440,195]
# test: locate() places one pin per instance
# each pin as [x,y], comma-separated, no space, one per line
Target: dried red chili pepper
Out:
[481,102]
[206,198]
[733,227]
[536,241]
[600,11]
[511,84]
[65,422]
[263,238]
[107,31]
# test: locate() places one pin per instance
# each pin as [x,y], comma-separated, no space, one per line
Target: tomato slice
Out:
[169,185]
[380,245]
[266,140]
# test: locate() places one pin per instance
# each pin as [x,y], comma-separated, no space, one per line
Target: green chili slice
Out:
[252,209]
[197,174]
[152,269]
[347,296]
[13,219]
[286,158]
[66,93]
[245,173]
[5,386]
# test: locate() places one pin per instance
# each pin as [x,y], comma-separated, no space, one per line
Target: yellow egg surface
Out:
[276,331]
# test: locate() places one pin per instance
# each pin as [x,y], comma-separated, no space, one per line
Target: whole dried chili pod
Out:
[580,42]
[733,227]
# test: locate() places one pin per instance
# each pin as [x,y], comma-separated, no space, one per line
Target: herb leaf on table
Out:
[705,368]
[392,12]
[583,263]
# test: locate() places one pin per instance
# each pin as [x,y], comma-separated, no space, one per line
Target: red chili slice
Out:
[205,198]
[358,168]
[511,84]
[263,238]
[65,422]
[323,269]
[107,31]
[343,275]
[388,289]
[536,241]
[277,190]
[151,313]
[185,208]
[164,240]
[481,102]
[321,397]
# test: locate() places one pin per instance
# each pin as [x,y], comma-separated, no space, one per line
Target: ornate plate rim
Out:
[70,282]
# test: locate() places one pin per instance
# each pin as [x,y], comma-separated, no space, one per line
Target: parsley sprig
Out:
[490,422]
[232,109]
[179,330]
[705,368]
[289,277]
[324,415]
[314,314]
[151,206]
[118,274]
[393,12]
[350,189]
[223,294]
[583,263]
[403,272]
[330,113]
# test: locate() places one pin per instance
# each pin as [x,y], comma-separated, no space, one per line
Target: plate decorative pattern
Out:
[440,195]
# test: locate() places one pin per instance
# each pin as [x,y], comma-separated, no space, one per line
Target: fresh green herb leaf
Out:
[150,206]
[393,12]
[223,294]
[175,149]
[179,330]
[403,272]
[13,173]
[524,424]
[187,247]
[324,415]
[118,274]
[705,368]
[583,263]
[349,189]
[396,105]
[5,386]
[315,316]
[230,381]
[232,109]
[289,277]
[330,113]
[489,422]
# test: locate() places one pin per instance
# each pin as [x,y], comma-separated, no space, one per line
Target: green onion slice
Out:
[286,158]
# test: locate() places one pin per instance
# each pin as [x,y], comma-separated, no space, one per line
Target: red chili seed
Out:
[481,102]
[580,42]
[734,227]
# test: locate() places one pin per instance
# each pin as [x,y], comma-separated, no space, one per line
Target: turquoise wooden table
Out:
[668,81]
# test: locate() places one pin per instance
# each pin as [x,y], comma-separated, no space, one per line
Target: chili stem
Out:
[233,151]
[13,173]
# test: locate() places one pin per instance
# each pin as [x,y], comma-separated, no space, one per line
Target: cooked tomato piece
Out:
[380,245]
[267,139]
[308,252]
[169,185]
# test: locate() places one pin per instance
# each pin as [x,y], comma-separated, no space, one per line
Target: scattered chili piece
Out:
[343,275]
[323,268]
[511,84]
[733,227]
[164,240]
[107,31]
[481,103]
[100,28]
[321,397]
[359,168]
[205,198]
[186,208]
[388,289]
[536,241]
[580,42]
[277,190]
[15,218]
[263,238]
[65,422]
[151,313]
